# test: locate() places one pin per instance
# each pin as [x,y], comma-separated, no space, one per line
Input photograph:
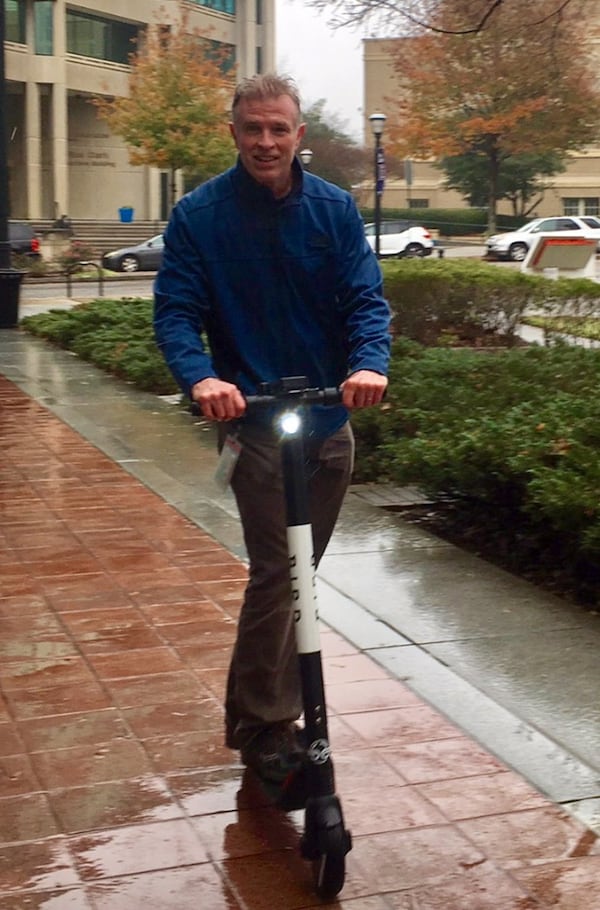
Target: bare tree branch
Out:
[386,17]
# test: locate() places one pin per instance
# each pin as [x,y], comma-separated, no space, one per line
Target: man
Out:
[272,264]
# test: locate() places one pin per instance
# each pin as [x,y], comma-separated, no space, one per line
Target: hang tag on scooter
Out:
[228,459]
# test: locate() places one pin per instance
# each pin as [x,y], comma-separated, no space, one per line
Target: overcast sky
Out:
[326,63]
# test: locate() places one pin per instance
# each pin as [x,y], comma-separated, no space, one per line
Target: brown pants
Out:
[264,684]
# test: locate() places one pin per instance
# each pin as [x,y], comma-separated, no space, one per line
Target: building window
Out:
[222,6]
[103,39]
[418,203]
[220,53]
[42,11]
[259,59]
[586,205]
[570,206]
[15,20]
[259,14]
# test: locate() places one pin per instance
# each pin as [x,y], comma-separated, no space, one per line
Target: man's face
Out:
[267,134]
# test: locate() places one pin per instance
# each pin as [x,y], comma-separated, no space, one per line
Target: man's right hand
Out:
[218,400]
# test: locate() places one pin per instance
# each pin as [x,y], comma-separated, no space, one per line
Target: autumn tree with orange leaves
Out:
[519,85]
[176,114]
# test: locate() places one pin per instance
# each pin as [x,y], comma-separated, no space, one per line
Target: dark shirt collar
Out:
[255,192]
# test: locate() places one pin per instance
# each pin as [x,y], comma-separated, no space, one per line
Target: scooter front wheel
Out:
[329,868]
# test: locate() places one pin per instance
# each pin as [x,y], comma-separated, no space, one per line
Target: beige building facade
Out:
[62,158]
[574,192]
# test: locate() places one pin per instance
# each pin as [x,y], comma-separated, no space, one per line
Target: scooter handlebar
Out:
[286,397]
[327,396]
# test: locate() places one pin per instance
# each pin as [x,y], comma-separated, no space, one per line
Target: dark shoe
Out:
[274,752]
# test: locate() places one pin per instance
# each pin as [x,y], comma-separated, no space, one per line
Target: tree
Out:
[336,156]
[175,116]
[520,179]
[511,88]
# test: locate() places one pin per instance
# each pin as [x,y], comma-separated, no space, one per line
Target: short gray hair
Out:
[266,85]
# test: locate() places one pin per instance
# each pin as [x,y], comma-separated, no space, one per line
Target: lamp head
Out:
[377,121]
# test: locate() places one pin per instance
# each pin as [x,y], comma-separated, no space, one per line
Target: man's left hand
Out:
[363,389]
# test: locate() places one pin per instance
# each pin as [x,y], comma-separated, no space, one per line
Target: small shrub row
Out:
[449,222]
[519,432]
[115,335]
[449,301]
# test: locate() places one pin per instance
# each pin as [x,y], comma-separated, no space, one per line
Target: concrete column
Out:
[33,150]
[60,114]
[267,36]
[60,171]
[152,194]
[246,37]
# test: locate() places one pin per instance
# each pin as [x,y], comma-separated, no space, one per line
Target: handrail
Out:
[75,267]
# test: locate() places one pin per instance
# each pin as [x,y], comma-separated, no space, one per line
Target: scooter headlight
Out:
[289,423]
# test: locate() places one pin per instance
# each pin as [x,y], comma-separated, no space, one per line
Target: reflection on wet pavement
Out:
[117,616]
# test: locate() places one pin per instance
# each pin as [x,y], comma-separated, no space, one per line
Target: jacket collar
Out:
[249,189]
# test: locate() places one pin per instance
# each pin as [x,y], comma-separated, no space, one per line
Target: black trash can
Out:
[10,288]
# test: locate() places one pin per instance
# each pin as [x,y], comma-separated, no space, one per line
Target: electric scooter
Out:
[325,840]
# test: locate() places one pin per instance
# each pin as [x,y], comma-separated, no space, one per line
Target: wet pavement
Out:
[463,702]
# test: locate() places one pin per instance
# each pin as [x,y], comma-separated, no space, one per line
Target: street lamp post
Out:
[10,279]
[306,156]
[377,123]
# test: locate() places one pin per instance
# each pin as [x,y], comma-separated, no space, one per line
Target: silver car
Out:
[144,257]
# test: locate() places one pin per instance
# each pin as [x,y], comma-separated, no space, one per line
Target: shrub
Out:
[77,252]
[519,432]
[433,298]
[449,222]
[116,335]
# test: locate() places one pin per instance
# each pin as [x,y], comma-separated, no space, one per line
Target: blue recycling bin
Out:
[126,214]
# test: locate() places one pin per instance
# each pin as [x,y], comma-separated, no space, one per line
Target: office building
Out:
[62,158]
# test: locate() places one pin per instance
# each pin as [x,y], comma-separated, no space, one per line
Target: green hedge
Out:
[449,222]
[115,335]
[441,301]
[517,431]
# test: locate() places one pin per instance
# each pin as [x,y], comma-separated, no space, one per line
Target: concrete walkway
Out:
[122,571]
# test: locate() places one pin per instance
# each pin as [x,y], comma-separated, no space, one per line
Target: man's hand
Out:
[218,400]
[363,389]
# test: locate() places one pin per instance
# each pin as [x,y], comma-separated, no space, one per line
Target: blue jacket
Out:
[280,288]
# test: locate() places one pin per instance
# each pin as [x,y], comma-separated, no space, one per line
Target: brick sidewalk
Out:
[116,793]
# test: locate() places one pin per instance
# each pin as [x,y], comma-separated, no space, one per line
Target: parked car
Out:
[401,239]
[515,245]
[23,240]
[145,257]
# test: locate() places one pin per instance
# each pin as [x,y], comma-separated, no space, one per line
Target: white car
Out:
[401,239]
[515,244]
